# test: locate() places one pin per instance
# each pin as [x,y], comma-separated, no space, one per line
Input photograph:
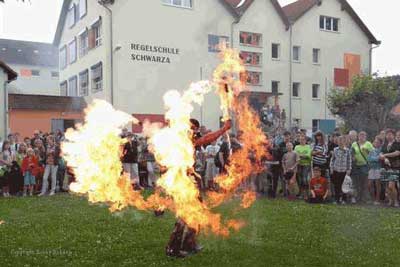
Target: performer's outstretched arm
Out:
[211,137]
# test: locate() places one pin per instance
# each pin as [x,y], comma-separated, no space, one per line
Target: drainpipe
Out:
[290,76]
[104,4]
[370,55]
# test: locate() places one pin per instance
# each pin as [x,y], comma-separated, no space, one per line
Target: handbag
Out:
[347,186]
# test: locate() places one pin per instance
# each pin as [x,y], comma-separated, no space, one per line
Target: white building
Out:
[7,75]
[131,52]
[37,66]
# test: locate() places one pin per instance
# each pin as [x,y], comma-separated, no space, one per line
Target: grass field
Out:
[68,231]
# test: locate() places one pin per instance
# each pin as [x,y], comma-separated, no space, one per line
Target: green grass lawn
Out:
[68,231]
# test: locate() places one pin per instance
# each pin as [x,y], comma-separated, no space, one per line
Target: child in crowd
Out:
[211,168]
[318,187]
[374,175]
[29,167]
[289,163]
[6,159]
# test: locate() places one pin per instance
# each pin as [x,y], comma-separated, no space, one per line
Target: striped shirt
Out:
[341,160]
[320,159]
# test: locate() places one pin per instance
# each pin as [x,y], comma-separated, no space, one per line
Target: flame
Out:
[94,151]
[247,160]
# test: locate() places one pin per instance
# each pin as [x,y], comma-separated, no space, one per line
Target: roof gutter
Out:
[104,4]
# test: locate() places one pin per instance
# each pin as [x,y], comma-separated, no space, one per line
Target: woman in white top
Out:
[6,159]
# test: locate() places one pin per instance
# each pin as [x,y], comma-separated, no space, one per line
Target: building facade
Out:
[7,75]
[131,52]
[36,65]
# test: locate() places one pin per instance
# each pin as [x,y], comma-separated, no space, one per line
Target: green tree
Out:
[367,105]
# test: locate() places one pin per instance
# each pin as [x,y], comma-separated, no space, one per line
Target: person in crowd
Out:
[29,168]
[289,164]
[130,156]
[340,166]
[390,155]
[6,159]
[59,136]
[374,174]
[320,153]
[51,166]
[13,145]
[287,138]
[211,169]
[27,142]
[318,187]
[360,150]
[382,136]
[304,168]
[36,136]
[353,136]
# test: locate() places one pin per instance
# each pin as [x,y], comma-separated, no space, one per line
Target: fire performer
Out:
[183,238]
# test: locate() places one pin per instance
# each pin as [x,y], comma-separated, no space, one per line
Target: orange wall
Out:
[26,121]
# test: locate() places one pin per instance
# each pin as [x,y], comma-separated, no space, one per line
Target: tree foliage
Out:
[367,105]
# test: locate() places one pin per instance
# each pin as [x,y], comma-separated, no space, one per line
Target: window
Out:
[35,73]
[215,43]
[328,24]
[275,87]
[72,51]
[251,58]
[63,57]
[276,51]
[55,74]
[296,90]
[83,43]
[97,77]
[64,88]
[178,3]
[316,55]
[296,53]
[84,83]
[252,78]
[73,86]
[82,8]
[251,39]
[315,91]
[71,16]
[95,35]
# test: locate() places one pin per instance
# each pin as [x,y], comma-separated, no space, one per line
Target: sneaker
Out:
[24,194]
[30,193]
[343,202]
[41,194]
[376,203]
[353,200]
[51,194]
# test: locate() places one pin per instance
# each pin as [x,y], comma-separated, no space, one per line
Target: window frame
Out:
[318,56]
[93,83]
[299,54]
[81,74]
[35,71]
[97,28]
[65,82]
[69,51]
[82,52]
[252,58]
[174,5]
[222,38]
[62,67]
[83,14]
[259,45]
[70,9]
[73,78]
[323,19]
[278,51]
[260,80]
[52,74]
[318,97]
[272,86]
[298,90]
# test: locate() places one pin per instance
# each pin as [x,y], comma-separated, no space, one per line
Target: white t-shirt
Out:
[211,150]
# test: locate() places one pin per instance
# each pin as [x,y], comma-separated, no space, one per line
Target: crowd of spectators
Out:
[338,168]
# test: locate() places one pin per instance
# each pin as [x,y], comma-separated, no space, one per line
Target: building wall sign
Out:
[153,53]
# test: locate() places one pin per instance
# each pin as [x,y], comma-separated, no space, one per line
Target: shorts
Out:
[29,179]
[374,174]
[360,171]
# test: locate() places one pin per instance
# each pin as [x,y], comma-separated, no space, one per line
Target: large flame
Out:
[94,151]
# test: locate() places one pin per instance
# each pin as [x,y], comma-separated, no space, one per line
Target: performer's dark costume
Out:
[183,239]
